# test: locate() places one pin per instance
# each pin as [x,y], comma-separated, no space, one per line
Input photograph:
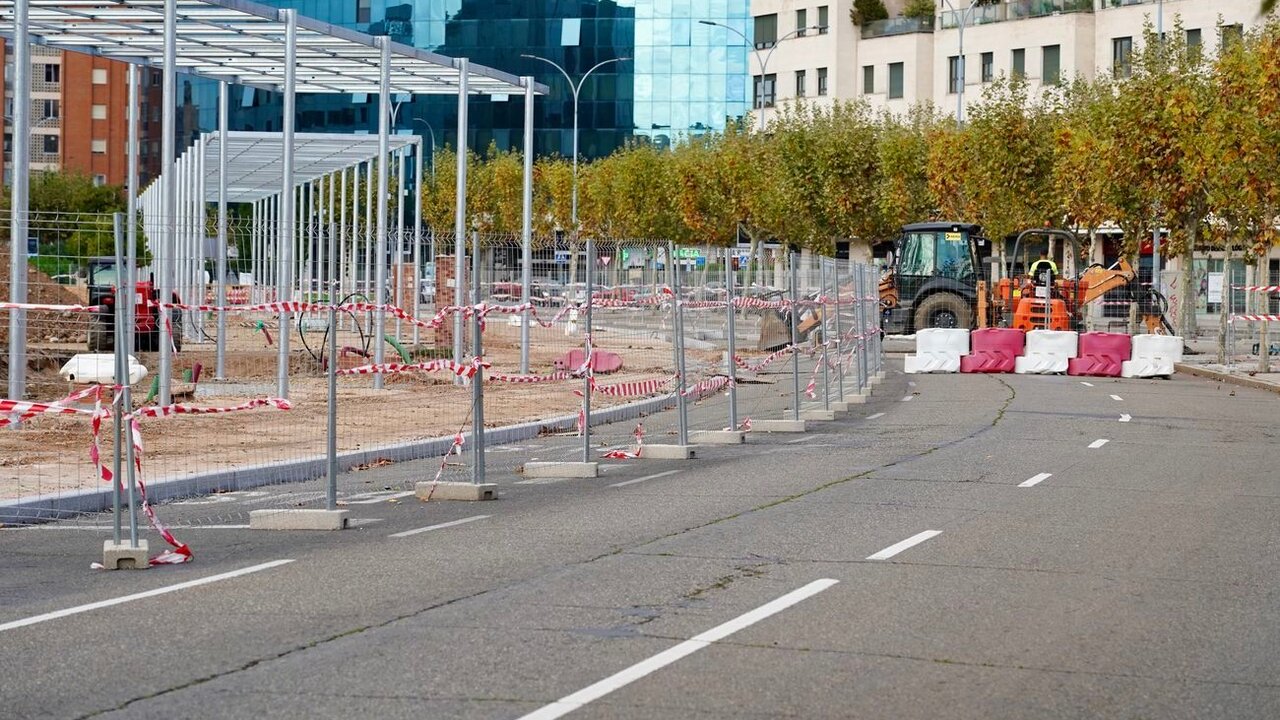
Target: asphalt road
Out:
[960,547]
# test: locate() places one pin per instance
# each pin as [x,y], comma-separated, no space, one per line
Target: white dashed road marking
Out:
[1036,480]
[1116,397]
[877,415]
[898,547]
[655,476]
[1098,443]
[1125,417]
[441,526]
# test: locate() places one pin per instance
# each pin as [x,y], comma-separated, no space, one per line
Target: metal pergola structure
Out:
[234,42]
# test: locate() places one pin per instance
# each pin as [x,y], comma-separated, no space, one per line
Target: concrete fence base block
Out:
[718,437]
[119,556]
[852,399]
[297,519]
[668,452]
[876,378]
[461,491]
[561,470]
[780,426]
[818,414]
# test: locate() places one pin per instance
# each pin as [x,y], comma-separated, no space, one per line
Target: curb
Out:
[43,508]
[1244,381]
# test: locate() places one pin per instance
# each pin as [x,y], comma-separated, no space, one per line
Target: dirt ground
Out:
[50,454]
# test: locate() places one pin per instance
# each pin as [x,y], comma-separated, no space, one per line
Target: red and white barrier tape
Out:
[632,388]
[625,454]
[1258,288]
[553,377]
[1255,318]
[53,308]
[462,370]
[710,386]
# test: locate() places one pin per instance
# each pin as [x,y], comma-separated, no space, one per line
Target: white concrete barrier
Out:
[1047,351]
[938,350]
[99,368]
[1153,355]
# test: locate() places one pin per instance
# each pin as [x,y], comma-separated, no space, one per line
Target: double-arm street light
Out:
[432,132]
[762,62]
[575,88]
[964,20]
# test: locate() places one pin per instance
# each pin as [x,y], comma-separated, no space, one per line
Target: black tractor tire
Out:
[944,310]
[101,335]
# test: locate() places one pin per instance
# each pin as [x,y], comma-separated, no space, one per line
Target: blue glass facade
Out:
[683,77]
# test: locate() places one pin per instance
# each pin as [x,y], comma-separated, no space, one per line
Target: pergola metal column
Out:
[384,129]
[131,201]
[418,174]
[163,255]
[399,251]
[284,280]
[526,231]
[18,199]
[460,213]
[220,372]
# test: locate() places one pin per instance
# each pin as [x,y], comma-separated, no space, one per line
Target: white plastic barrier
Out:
[99,368]
[1047,352]
[1152,355]
[938,350]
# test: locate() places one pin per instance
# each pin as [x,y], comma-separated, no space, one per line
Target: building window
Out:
[50,144]
[52,73]
[895,80]
[363,11]
[766,31]
[156,78]
[802,22]
[51,109]
[988,67]
[764,92]
[1051,65]
[1122,57]
[1019,63]
[1232,34]
[955,76]
[99,76]
[800,83]
[868,79]
[98,112]
[99,180]
[822,81]
[822,19]
[1193,40]
[98,146]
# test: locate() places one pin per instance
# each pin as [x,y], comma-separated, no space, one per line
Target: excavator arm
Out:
[1100,280]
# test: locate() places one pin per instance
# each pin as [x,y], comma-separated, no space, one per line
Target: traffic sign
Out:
[604,259]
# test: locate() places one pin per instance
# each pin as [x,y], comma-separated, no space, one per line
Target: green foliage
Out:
[919,9]
[867,11]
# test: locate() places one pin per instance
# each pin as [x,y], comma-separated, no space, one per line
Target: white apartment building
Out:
[899,61]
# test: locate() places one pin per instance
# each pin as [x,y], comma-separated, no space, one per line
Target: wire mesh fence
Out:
[615,343]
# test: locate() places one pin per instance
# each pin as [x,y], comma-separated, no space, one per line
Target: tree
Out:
[867,11]
[902,144]
[919,9]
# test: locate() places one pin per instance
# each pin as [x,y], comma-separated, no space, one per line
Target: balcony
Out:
[1021,10]
[897,26]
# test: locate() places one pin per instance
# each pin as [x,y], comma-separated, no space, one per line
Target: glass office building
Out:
[682,77]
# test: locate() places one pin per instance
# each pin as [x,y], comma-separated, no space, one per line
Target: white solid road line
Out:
[539,481]
[800,440]
[107,528]
[1117,398]
[898,547]
[569,703]
[1125,417]
[429,528]
[1086,384]
[646,477]
[1032,482]
[140,596]
[382,497]
[877,415]
[1098,443]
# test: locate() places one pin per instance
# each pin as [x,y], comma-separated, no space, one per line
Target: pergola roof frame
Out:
[243,42]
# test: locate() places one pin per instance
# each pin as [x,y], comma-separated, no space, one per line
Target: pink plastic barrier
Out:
[602,361]
[993,350]
[1100,354]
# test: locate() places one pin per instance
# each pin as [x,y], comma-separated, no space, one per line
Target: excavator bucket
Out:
[775,331]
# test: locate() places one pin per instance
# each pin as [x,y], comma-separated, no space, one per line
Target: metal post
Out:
[333,236]
[460,211]
[417,242]
[163,254]
[587,376]
[342,237]
[795,340]
[331,372]
[399,251]
[368,230]
[285,233]
[826,342]
[122,370]
[477,382]
[864,342]
[835,270]
[384,130]
[18,198]
[677,345]
[131,204]
[526,230]
[221,370]
[731,339]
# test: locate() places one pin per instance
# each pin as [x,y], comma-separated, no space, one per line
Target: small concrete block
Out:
[780,426]
[561,470]
[122,557]
[718,437]
[840,406]
[463,491]
[818,414]
[855,399]
[297,519]
[668,452]
[876,378]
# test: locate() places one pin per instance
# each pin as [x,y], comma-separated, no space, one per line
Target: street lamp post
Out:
[964,20]
[432,132]
[762,62]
